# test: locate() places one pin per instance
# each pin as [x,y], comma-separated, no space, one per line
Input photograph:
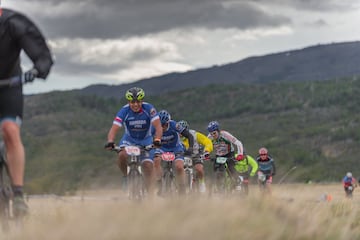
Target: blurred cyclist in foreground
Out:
[18,32]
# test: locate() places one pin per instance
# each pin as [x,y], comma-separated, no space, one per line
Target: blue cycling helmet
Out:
[164,117]
[213,126]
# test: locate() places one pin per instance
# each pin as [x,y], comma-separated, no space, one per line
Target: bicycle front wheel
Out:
[136,187]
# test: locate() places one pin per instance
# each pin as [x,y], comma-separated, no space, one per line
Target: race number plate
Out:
[132,150]
[261,176]
[221,160]
[168,156]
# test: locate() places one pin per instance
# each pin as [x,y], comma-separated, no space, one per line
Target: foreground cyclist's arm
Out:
[186,133]
[205,141]
[158,130]
[30,39]
[253,164]
[239,146]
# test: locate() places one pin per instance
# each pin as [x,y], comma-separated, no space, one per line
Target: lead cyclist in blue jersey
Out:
[17,33]
[136,117]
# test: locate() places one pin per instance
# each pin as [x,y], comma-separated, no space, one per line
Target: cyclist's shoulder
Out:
[201,137]
[15,19]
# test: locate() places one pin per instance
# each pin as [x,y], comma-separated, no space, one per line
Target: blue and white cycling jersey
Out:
[170,140]
[137,125]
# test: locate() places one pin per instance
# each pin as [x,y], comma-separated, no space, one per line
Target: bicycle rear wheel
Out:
[5,197]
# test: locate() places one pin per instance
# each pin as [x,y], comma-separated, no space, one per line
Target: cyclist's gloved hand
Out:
[239,157]
[31,75]
[189,151]
[157,142]
[109,145]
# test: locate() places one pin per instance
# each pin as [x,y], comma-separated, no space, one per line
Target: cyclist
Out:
[202,144]
[136,117]
[246,167]
[170,142]
[349,183]
[266,166]
[226,145]
[18,32]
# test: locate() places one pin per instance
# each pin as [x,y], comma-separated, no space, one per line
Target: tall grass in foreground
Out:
[293,212]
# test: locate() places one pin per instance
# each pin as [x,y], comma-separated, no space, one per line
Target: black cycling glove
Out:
[109,145]
[30,75]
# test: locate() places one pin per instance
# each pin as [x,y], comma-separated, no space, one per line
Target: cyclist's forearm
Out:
[112,133]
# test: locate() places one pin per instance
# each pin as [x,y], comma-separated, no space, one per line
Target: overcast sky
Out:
[119,41]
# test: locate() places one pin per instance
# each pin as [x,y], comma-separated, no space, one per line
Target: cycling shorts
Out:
[11,104]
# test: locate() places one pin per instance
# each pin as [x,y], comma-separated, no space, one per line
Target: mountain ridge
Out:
[317,62]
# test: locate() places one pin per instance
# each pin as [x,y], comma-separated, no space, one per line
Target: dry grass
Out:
[293,212]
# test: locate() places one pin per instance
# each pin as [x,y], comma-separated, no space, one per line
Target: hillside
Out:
[320,62]
[312,125]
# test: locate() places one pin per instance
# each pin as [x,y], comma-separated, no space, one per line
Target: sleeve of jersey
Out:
[205,141]
[253,164]
[233,140]
[150,109]
[34,44]
[118,120]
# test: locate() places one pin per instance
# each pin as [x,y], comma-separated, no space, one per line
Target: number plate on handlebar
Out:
[221,160]
[168,156]
[132,150]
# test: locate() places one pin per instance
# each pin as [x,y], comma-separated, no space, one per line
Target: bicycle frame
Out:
[13,81]
[219,184]
[169,185]
[135,178]
[189,174]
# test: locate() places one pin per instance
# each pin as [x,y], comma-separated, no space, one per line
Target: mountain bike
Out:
[190,176]
[169,188]
[136,186]
[222,182]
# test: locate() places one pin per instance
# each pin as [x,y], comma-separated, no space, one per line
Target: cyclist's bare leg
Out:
[158,172]
[15,155]
[148,171]
[157,168]
[199,168]
[122,162]
[15,151]
[180,175]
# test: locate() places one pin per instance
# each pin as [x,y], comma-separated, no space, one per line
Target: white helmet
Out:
[349,174]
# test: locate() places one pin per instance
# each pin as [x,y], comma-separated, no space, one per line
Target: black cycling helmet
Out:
[135,93]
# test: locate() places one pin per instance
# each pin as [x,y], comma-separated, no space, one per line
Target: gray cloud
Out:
[113,19]
[315,5]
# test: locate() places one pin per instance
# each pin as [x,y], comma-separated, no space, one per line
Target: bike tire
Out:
[169,184]
[5,198]
[136,190]
[189,179]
